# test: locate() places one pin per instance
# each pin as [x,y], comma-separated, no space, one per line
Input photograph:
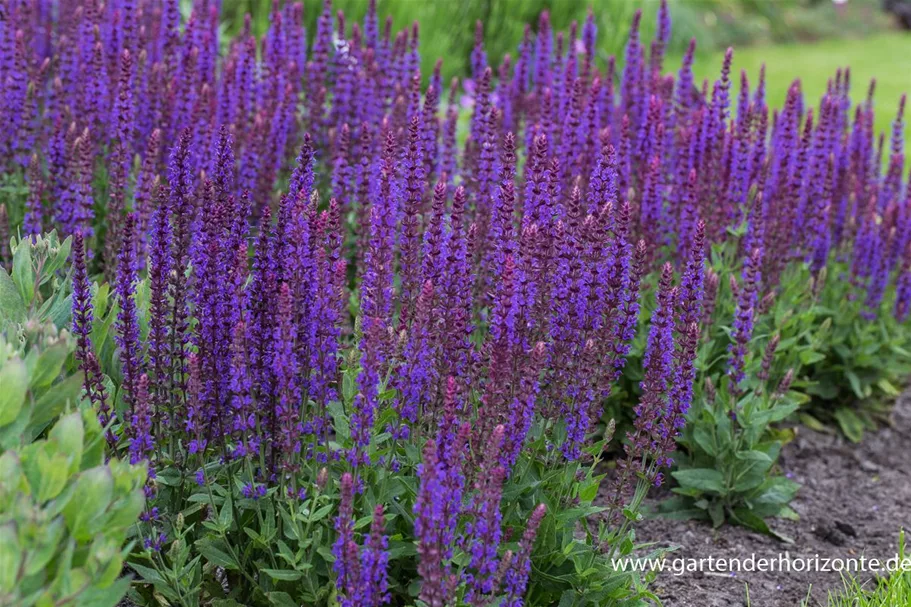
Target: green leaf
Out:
[60,309]
[571,515]
[48,366]
[226,515]
[704,439]
[825,390]
[69,434]
[589,490]
[789,513]
[324,552]
[107,596]
[855,384]
[10,471]
[285,575]
[808,357]
[349,386]
[47,547]
[339,420]
[54,401]
[284,551]
[14,382]
[281,599]
[54,472]
[814,424]
[716,513]
[749,481]
[320,513]
[250,531]
[775,414]
[126,511]
[886,386]
[147,573]
[23,274]
[748,519]
[102,326]
[704,479]
[215,555]
[680,508]
[778,491]
[850,424]
[568,598]
[90,499]
[754,456]
[9,564]
[13,434]
[12,308]
[63,255]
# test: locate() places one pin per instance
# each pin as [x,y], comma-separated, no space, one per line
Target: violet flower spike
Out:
[127,329]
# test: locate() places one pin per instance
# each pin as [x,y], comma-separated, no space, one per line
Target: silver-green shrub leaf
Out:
[65,518]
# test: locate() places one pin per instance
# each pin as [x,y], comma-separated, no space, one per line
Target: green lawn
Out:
[887,57]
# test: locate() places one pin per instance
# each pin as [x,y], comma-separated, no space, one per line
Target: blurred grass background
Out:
[885,56]
[808,39]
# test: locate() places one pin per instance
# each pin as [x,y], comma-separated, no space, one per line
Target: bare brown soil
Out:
[853,502]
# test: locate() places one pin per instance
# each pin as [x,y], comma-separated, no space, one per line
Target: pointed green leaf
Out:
[12,308]
[48,366]
[23,274]
[285,575]
[14,382]
[91,497]
[704,479]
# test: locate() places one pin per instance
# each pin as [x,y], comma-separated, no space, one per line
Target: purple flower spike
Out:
[347,564]
[432,529]
[141,442]
[375,562]
[747,299]
[127,335]
[517,575]
[92,384]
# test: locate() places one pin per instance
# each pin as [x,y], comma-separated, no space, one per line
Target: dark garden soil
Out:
[853,501]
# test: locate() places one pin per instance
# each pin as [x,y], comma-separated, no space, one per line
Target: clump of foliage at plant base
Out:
[365,362]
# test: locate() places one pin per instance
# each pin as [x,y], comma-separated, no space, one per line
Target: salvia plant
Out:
[749,366]
[361,327]
[860,364]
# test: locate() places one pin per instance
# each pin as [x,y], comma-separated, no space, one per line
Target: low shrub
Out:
[34,292]
[66,510]
[750,377]
[34,314]
[65,514]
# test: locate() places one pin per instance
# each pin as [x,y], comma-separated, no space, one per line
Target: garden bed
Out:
[853,500]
